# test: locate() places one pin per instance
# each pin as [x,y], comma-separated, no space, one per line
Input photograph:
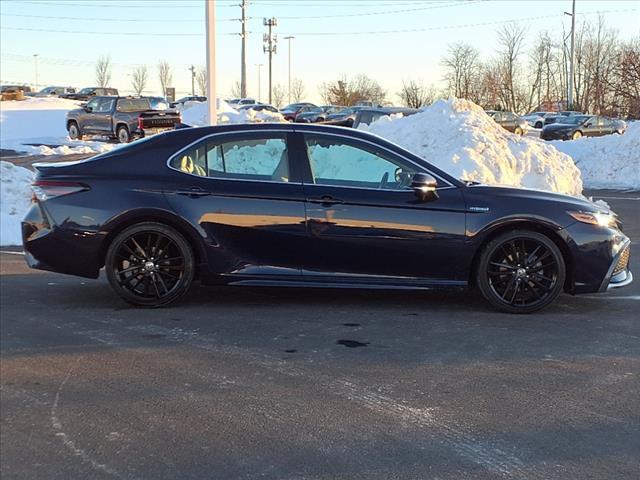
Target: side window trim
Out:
[220,138]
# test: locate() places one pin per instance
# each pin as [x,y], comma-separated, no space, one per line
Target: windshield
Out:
[87,90]
[48,90]
[573,120]
[159,104]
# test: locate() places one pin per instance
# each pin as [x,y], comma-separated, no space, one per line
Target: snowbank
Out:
[15,197]
[42,120]
[460,138]
[612,161]
[195,113]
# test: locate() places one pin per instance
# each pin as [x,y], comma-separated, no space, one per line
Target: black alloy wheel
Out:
[521,272]
[123,135]
[150,264]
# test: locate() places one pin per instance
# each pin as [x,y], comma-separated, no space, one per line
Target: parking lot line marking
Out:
[11,253]
[617,297]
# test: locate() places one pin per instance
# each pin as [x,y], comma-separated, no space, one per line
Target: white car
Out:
[536,119]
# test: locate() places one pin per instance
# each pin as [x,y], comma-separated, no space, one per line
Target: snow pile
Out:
[42,120]
[195,114]
[611,161]
[460,138]
[15,197]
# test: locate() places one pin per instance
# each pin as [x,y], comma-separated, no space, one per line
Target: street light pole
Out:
[289,38]
[35,62]
[192,69]
[259,65]
[571,55]
[212,110]
[270,47]
[243,50]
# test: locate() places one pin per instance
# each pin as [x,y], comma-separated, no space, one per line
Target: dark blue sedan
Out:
[310,205]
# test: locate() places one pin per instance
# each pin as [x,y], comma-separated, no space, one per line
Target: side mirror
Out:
[88,109]
[588,124]
[424,186]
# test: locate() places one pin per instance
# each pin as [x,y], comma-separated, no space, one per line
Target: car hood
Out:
[569,202]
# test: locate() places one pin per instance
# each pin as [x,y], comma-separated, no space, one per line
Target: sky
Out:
[388,40]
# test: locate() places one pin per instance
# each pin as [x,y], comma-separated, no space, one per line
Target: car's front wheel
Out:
[521,271]
[518,131]
[74,131]
[576,135]
[150,264]
[539,125]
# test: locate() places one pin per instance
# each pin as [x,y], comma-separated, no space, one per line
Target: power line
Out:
[103,19]
[102,4]
[384,12]
[137,34]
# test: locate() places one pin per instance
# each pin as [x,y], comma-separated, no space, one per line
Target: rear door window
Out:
[263,158]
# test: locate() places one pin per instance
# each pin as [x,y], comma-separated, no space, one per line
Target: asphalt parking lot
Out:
[316,384]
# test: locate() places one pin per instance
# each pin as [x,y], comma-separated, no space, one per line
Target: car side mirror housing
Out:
[588,124]
[424,186]
[88,109]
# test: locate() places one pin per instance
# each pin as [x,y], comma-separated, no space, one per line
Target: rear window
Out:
[133,105]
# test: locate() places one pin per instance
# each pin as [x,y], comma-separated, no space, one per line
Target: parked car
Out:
[577,126]
[309,205]
[366,116]
[89,92]
[343,118]
[259,107]
[559,116]
[536,119]
[509,121]
[290,112]
[54,91]
[122,118]
[189,98]
[317,114]
[238,102]
[15,88]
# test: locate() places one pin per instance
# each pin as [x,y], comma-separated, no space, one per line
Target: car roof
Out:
[389,110]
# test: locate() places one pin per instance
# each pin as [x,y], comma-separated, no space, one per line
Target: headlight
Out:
[601,219]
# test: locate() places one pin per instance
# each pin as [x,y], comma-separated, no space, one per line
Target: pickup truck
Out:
[89,92]
[122,118]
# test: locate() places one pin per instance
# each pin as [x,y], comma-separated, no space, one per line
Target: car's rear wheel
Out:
[576,135]
[123,134]
[539,125]
[521,272]
[518,131]
[150,264]
[74,131]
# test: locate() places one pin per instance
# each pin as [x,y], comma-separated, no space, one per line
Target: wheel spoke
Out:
[131,252]
[155,286]
[515,292]
[164,285]
[130,269]
[545,288]
[137,245]
[533,254]
[502,265]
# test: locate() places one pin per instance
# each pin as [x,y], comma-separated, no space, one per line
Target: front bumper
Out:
[619,274]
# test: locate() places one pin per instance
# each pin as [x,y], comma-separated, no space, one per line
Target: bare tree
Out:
[510,39]
[236,91]
[463,68]
[139,78]
[297,90]
[165,76]
[348,92]
[625,82]
[201,80]
[278,94]
[103,71]
[416,95]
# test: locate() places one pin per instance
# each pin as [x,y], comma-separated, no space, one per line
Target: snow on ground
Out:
[611,161]
[15,197]
[42,121]
[460,138]
[195,113]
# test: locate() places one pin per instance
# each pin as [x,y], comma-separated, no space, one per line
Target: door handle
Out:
[193,192]
[325,200]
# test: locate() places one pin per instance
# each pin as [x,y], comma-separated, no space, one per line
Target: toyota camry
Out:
[311,205]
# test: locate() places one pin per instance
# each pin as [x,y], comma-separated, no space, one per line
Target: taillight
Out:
[140,123]
[47,189]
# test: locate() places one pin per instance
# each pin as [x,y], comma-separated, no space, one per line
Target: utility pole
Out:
[192,69]
[243,50]
[270,47]
[259,65]
[35,63]
[571,54]
[212,107]
[289,38]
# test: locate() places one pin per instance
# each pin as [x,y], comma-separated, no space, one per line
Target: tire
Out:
[74,131]
[520,272]
[538,125]
[157,258]
[123,135]
[576,135]
[518,131]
